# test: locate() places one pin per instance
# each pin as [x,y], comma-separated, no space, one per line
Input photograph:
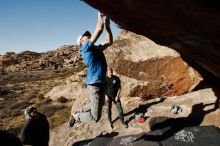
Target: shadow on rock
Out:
[100,140]
[170,126]
[210,81]
[140,109]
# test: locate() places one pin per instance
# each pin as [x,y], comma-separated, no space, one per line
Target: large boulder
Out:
[147,69]
[189,26]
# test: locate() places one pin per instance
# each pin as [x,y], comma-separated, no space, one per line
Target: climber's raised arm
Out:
[99,28]
[109,37]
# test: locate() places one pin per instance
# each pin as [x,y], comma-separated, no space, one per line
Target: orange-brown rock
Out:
[148,70]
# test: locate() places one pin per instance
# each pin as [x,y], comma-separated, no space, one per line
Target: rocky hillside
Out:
[63,57]
[26,77]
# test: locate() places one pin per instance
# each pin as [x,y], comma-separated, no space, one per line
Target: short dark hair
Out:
[87,33]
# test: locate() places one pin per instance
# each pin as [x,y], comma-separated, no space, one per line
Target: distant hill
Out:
[63,57]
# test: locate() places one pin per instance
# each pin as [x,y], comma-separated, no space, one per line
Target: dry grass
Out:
[60,117]
[21,89]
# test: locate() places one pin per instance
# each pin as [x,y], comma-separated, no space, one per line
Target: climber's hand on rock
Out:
[101,14]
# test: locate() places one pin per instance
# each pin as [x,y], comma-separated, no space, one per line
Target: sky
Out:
[43,25]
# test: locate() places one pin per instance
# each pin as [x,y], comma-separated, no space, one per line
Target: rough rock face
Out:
[209,115]
[189,26]
[74,87]
[147,69]
[65,56]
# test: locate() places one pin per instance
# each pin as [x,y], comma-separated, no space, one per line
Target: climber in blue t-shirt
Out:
[95,61]
[96,71]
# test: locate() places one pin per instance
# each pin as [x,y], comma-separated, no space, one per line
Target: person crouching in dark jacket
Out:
[35,131]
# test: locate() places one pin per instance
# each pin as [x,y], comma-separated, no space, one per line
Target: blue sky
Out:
[42,25]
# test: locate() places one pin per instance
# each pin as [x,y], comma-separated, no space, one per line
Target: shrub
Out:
[40,96]
[62,99]
[47,100]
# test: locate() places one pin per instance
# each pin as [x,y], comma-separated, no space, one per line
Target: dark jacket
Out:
[35,131]
[113,84]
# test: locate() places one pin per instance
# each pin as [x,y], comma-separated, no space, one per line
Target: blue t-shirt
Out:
[95,61]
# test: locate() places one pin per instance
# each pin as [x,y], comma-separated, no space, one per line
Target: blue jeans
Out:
[91,112]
